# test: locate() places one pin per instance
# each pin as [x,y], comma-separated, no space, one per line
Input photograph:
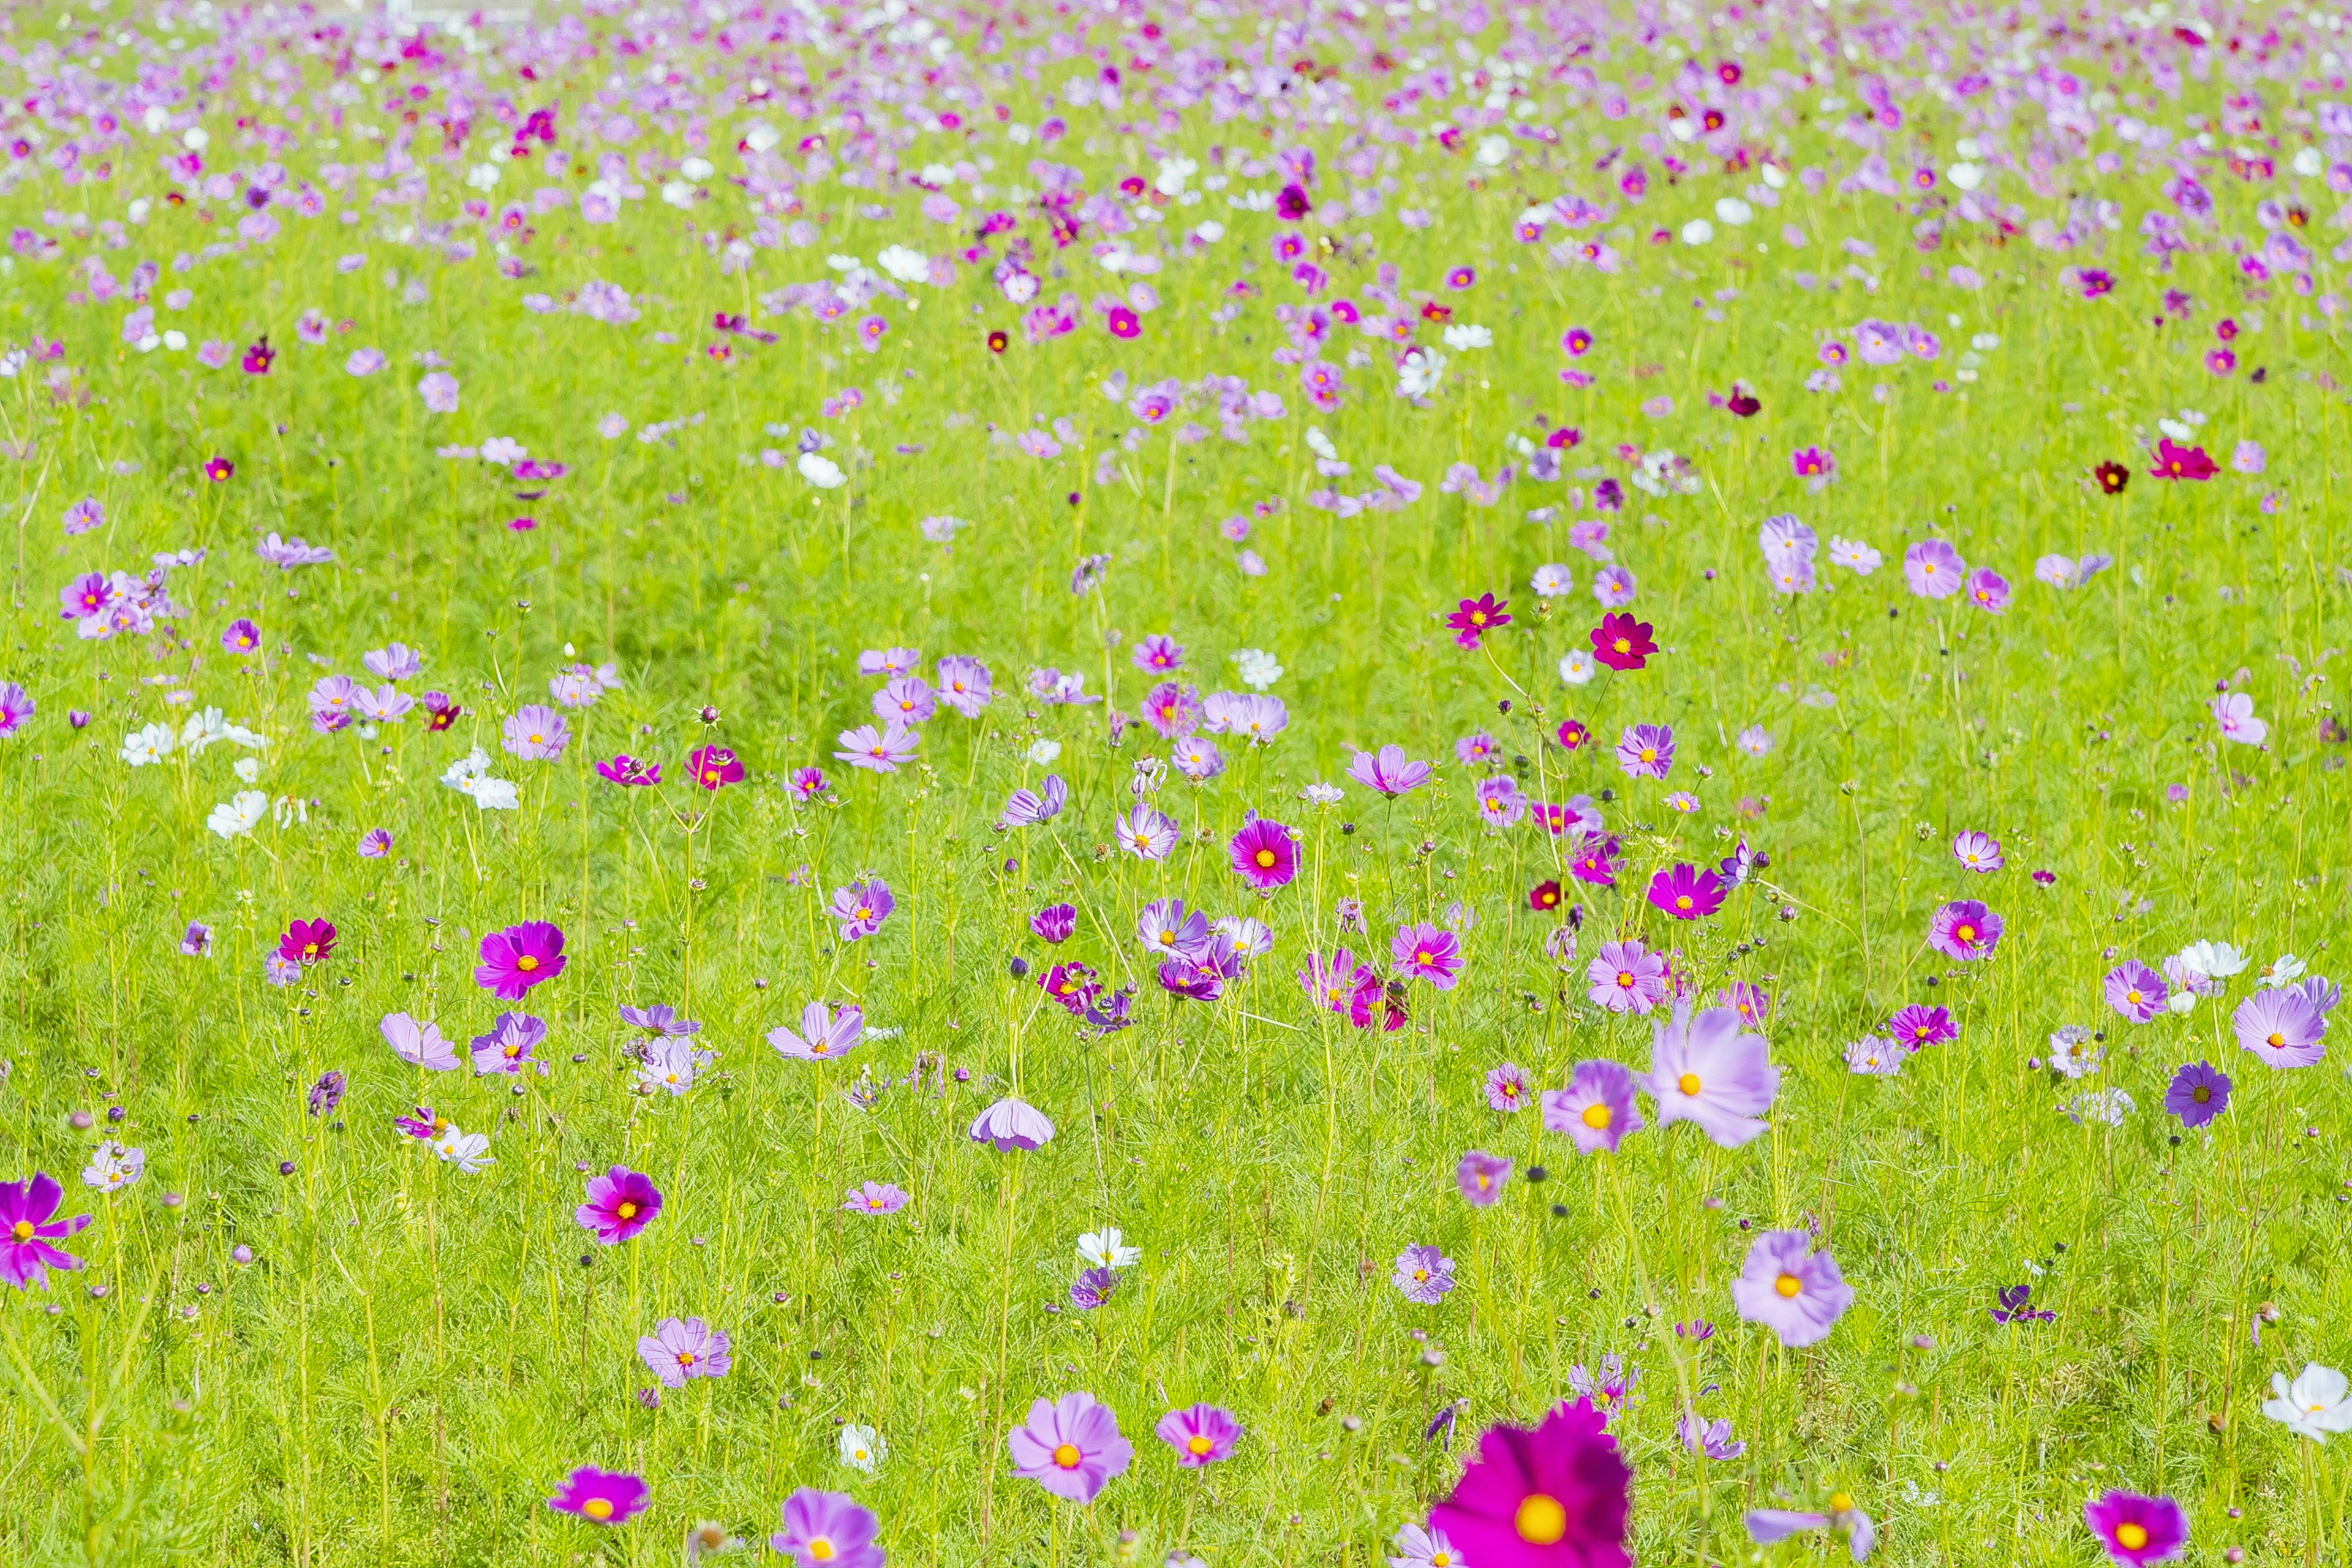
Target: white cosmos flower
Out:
[467,1150]
[1576,667]
[904,263]
[2314,1404]
[820,471]
[470,775]
[1965,176]
[1468,336]
[1552,581]
[1856,557]
[1419,371]
[862,1447]
[2214,959]
[238,815]
[1044,753]
[113,1167]
[2283,970]
[1257,668]
[1105,1248]
[1733,211]
[150,744]
[1698,231]
[248,768]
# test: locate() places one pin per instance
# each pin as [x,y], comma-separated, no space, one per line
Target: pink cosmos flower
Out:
[1596,1110]
[1071,1446]
[1707,1069]
[519,957]
[1626,977]
[1202,1435]
[1934,568]
[621,1203]
[1265,855]
[1964,929]
[1388,770]
[1427,952]
[1794,1291]
[601,1496]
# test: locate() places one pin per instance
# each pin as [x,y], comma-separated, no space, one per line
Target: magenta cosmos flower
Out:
[714,767]
[875,1198]
[27,1231]
[1988,590]
[1796,1292]
[1265,855]
[1621,643]
[1070,1446]
[1626,977]
[1427,952]
[1556,1497]
[1596,1110]
[1202,1436]
[2281,1028]
[519,957]
[307,942]
[2135,1529]
[827,1527]
[2136,991]
[620,1204]
[1685,892]
[1475,617]
[1707,1069]
[1964,928]
[1934,568]
[1388,770]
[683,1348]
[601,1496]
[1646,751]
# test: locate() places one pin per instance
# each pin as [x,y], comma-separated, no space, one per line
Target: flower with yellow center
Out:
[598,1509]
[1539,1519]
[1688,1083]
[1067,1456]
[1596,1116]
[1788,1285]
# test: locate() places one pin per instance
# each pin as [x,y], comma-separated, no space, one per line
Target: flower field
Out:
[1433,782]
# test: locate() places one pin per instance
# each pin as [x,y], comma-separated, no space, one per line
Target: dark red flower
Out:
[2112,478]
[1544,895]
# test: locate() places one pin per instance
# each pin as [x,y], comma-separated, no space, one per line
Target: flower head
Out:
[1596,1110]
[1071,1446]
[2197,1094]
[1479,1178]
[1423,1275]
[1474,619]
[2136,1530]
[28,1232]
[827,1529]
[601,1496]
[2281,1028]
[1796,1292]
[2317,1403]
[1621,642]
[683,1348]
[1201,1435]
[1708,1070]
[519,957]
[1557,1496]
[1964,929]
[1263,854]
[621,1203]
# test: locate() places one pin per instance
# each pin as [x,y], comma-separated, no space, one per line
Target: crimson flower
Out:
[1475,617]
[1621,642]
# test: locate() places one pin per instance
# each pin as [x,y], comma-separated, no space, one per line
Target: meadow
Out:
[735,738]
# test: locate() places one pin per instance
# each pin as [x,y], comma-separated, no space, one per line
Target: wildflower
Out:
[1858,558]
[307,942]
[2111,478]
[825,1035]
[831,1529]
[1934,568]
[1202,1435]
[2174,461]
[112,1167]
[1646,751]
[1613,586]
[1475,617]
[1506,1088]
[519,957]
[1423,1275]
[1705,1069]
[2317,1403]
[601,1496]
[621,1203]
[661,1018]
[1556,1495]
[1544,895]
[375,844]
[861,907]
[805,784]
[714,767]
[1623,643]
[2234,712]
[1028,808]
[881,752]
[1423,1548]
[1712,1438]
[16,707]
[1011,1124]
[1263,854]
[1092,1288]
[2017,1306]
[670,1064]
[1767,1525]
[1501,801]
[1874,1057]
[1071,1446]
[1626,977]
[1796,1292]
[679,1349]
[2281,1028]
[1388,770]
[861,1447]
[1964,929]
[1685,892]
[419,1044]
[1596,1110]
[1915,1025]
[1977,851]
[2136,1530]
[1988,590]
[1479,1178]
[875,1198]
[1428,952]
[2136,991]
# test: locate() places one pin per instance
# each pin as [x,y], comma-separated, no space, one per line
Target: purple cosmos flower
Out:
[827,1529]
[1092,1288]
[633,772]
[661,1018]
[1145,832]
[861,907]
[1934,568]
[2136,991]
[1171,708]
[905,701]
[1423,1548]
[241,636]
[1388,770]
[601,1496]
[198,941]
[1202,1435]
[1916,1026]
[2281,1028]
[879,752]
[535,733]
[875,1198]
[1626,977]
[1988,590]
[1073,987]
[1071,1446]
[1964,928]
[1875,1056]
[1685,892]
[1606,1386]
[1158,654]
[825,1035]
[1054,923]
[1428,952]
[620,1204]
[2197,1094]
[964,685]
[1480,1177]
[1011,1124]
[1646,751]
[1768,1525]
[519,957]
[1796,1292]
[1596,1110]
[27,1231]
[1506,1088]
[1977,851]
[804,783]
[375,844]
[507,1047]
[307,942]
[16,707]
[1704,1070]
[1500,802]
[1028,808]
[1556,1497]
[2136,1529]
[713,768]
[1712,1438]
[1473,618]
[679,1349]
[1424,1275]
[419,1044]
[1750,1001]
[1168,931]
[1263,854]
[2017,1306]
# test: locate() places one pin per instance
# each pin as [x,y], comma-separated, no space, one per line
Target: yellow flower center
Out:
[1067,1456]
[2201,1094]
[686,1358]
[22,1230]
[1624,980]
[1649,754]
[1420,1274]
[627,1211]
[1623,644]
[1540,1520]
[1199,1445]
[526,963]
[1788,1285]
[1966,933]
[820,1549]
[2132,997]
[1265,860]
[1682,902]
[597,1507]
[1596,1117]
[1422,958]
[2131,1537]
[1840,1502]
[1687,1083]
[2277,1040]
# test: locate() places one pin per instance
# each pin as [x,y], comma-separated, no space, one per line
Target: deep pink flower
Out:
[2174,461]
[1686,892]
[620,1204]
[27,1231]
[1964,928]
[307,942]
[1265,854]
[601,1496]
[1475,617]
[2136,1530]
[1556,1497]
[1202,1435]
[519,957]
[713,768]
[1427,952]
[1621,642]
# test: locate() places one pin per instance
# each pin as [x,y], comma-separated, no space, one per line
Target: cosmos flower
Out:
[825,1035]
[2197,1094]
[1685,892]
[1626,977]
[1011,1124]
[1423,1275]
[2317,1404]
[1934,568]
[1388,770]
[620,1204]
[28,1233]
[518,958]
[1789,1288]
[1201,1435]
[2281,1028]
[1479,1178]
[2136,1530]
[1555,1496]
[1977,851]
[679,1349]
[1708,1070]
[2136,991]
[1071,1446]
[1623,643]
[827,1529]
[601,1496]
[1596,1110]
[1474,619]
[1964,929]
[1263,854]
